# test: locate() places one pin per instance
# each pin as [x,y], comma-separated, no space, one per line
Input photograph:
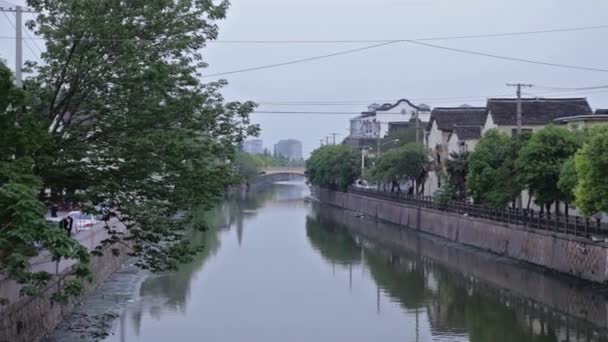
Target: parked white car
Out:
[362,184]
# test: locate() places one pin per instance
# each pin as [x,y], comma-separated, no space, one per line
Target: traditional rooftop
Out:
[448,117]
[467,132]
[539,111]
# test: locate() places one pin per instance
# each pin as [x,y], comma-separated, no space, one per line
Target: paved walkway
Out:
[90,239]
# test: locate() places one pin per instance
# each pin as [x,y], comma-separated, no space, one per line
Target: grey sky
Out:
[400,70]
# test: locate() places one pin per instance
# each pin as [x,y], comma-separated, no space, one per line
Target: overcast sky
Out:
[399,70]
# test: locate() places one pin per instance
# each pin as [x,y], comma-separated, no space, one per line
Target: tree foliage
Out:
[406,162]
[457,168]
[568,180]
[23,228]
[246,166]
[333,166]
[117,116]
[591,163]
[492,177]
[541,160]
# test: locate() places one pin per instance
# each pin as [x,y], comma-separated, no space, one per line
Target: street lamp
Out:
[363,159]
[369,149]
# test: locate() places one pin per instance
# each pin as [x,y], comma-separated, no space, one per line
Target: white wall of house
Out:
[437,143]
[457,145]
[488,125]
[507,129]
[356,127]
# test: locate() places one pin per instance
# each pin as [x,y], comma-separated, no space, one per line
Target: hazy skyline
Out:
[395,71]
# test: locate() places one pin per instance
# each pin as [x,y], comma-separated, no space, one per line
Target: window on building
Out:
[462,146]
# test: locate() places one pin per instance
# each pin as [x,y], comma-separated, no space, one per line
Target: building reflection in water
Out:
[457,305]
[417,286]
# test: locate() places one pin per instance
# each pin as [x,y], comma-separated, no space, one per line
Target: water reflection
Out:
[279,269]
[459,306]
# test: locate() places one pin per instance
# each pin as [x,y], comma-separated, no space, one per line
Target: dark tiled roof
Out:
[536,111]
[447,117]
[388,106]
[601,111]
[467,132]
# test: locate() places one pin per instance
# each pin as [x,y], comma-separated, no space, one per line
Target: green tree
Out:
[541,161]
[457,167]
[567,181]
[132,123]
[591,163]
[117,116]
[333,166]
[22,224]
[492,177]
[406,162]
[247,166]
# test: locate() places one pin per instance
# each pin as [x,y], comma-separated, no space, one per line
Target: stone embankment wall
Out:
[562,294]
[30,319]
[563,253]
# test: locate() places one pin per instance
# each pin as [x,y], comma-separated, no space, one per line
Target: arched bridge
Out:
[293,170]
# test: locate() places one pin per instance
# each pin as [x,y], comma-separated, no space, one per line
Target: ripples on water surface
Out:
[276,268]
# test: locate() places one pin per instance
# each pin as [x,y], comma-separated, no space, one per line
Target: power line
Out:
[534,95]
[429,99]
[505,34]
[300,60]
[572,88]
[26,43]
[515,59]
[349,41]
[33,41]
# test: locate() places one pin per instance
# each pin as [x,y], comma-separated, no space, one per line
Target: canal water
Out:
[279,268]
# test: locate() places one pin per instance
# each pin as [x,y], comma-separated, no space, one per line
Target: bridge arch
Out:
[297,170]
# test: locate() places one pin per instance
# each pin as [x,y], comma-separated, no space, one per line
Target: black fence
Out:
[572,225]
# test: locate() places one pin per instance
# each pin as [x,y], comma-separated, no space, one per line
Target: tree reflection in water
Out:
[455,305]
[170,291]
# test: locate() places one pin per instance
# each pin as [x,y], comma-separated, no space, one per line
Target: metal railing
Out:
[571,225]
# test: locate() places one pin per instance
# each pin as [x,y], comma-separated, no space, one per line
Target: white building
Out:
[464,138]
[375,122]
[440,129]
[536,113]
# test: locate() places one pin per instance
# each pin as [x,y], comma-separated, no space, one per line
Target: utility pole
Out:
[417,127]
[334,135]
[18,47]
[327,140]
[519,109]
[18,10]
[519,124]
[362,162]
[321,140]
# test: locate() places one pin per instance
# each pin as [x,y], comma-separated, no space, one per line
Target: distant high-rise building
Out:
[289,148]
[254,146]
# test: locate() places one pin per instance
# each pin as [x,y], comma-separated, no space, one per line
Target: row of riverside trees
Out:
[115,120]
[555,165]
[338,166]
